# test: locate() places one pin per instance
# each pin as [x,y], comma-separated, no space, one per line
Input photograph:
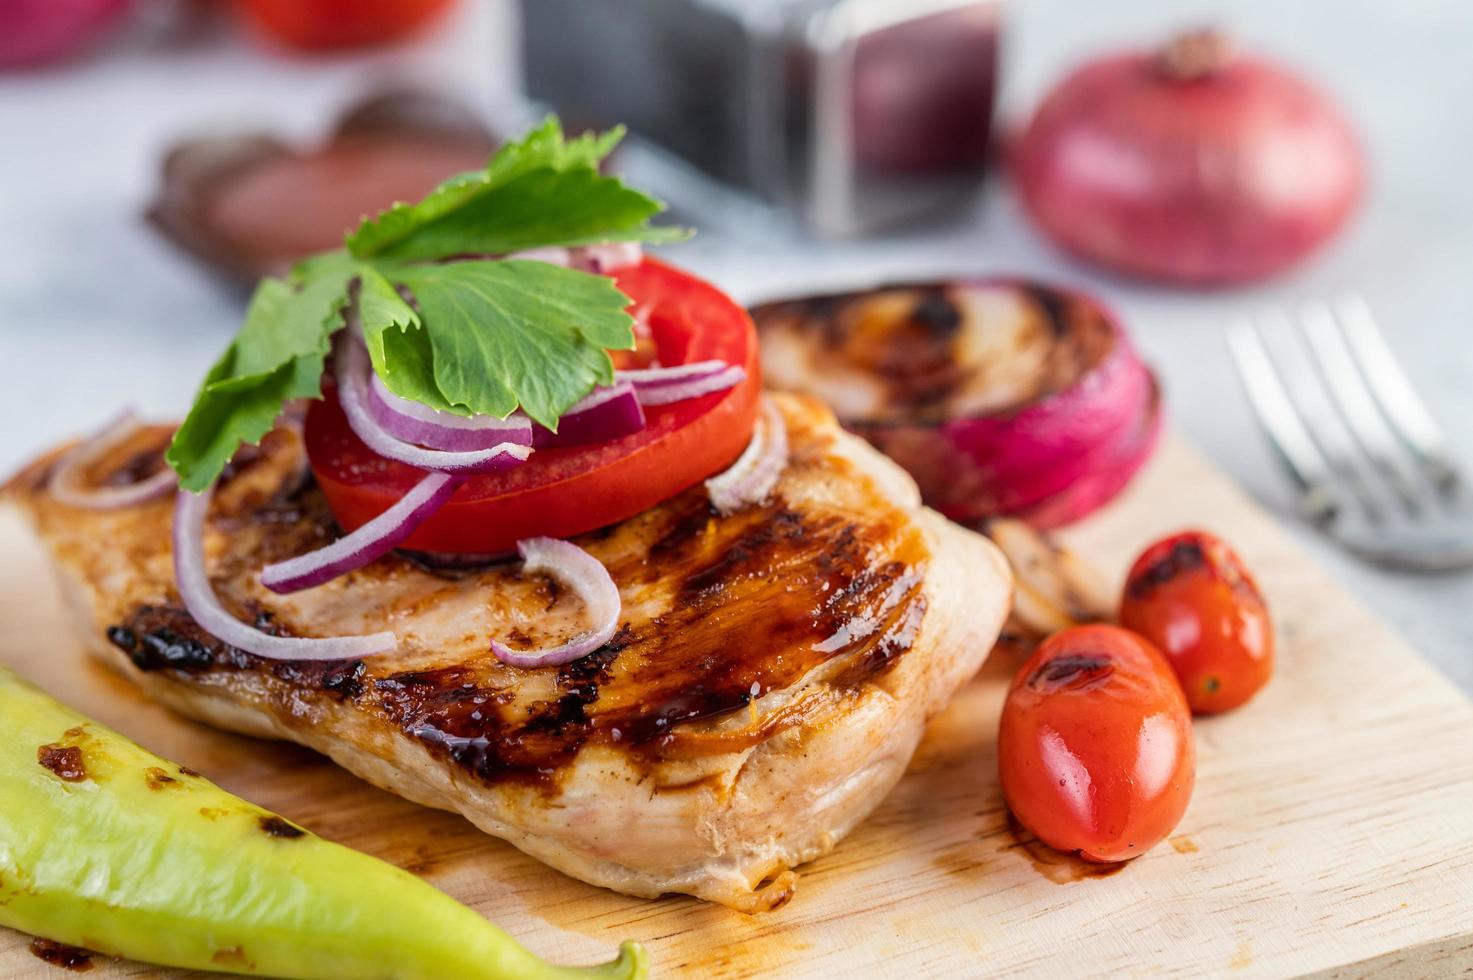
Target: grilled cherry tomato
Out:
[1096,746]
[1191,596]
[324,24]
[563,492]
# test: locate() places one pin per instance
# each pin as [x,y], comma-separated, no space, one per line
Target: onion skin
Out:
[1224,174]
[1105,474]
[1028,464]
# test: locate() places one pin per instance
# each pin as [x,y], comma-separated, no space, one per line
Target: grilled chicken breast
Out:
[771,677]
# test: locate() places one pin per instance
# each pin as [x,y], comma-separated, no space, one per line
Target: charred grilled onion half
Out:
[1001,397]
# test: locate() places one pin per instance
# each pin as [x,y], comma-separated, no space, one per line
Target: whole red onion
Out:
[33,32]
[1190,165]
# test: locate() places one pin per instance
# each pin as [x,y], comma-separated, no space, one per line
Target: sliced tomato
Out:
[563,492]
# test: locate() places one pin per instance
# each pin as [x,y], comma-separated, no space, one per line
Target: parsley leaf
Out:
[546,146]
[276,356]
[234,410]
[459,335]
[515,333]
[380,306]
[397,343]
[542,190]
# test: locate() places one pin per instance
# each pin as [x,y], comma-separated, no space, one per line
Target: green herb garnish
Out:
[482,335]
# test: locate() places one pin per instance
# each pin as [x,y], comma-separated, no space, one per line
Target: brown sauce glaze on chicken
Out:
[771,675]
[814,585]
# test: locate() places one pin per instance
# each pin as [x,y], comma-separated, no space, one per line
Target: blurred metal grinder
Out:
[853,114]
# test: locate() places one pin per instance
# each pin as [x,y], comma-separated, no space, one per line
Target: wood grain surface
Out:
[1331,830]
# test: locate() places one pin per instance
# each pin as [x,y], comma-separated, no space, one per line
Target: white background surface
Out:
[97,312]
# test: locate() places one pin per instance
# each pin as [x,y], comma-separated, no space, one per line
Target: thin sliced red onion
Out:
[644,377]
[751,479]
[409,421]
[353,370]
[608,413]
[369,542]
[68,477]
[587,577]
[200,599]
[679,391]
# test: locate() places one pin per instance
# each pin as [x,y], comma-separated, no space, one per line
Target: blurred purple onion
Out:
[34,32]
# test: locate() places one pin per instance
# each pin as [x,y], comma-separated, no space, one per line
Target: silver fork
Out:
[1373,469]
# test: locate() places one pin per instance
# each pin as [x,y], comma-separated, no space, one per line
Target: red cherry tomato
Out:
[563,492]
[1096,745]
[1191,596]
[313,25]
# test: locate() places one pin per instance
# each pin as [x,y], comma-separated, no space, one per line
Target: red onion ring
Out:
[409,421]
[1103,472]
[1046,449]
[202,603]
[606,414]
[678,391]
[66,480]
[353,369]
[587,576]
[751,479]
[369,542]
[653,377]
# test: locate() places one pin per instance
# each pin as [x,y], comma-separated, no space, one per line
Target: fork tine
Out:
[1398,399]
[1281,422]
[1293,361]
[1358,409]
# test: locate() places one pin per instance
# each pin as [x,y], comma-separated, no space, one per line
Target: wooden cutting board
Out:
[1331,830]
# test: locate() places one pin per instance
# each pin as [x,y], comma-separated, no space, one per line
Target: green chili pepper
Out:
[107,846]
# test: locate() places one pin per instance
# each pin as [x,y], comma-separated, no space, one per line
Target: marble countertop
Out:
[99,312]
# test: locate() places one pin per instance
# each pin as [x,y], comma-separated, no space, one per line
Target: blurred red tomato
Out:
[33,32]
[316,25]
[1095,747]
